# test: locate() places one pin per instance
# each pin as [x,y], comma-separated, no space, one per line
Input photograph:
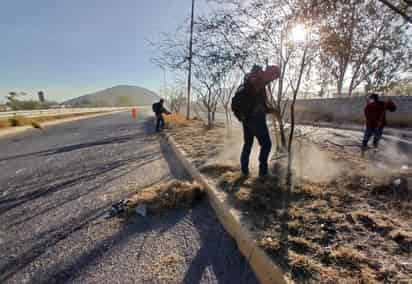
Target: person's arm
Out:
[164,110]
[390,105]
[268,105]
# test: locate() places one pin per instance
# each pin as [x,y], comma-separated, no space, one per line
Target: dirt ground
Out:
[334,217]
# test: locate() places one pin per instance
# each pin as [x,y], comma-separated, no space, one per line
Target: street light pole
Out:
[189,79]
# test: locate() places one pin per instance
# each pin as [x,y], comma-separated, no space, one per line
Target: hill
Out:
[122,95]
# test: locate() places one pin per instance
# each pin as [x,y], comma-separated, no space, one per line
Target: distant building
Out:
[41,96]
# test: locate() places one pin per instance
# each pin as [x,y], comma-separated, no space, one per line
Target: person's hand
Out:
[270,110]
[272,72]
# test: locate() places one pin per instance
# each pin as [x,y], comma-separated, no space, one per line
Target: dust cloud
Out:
[309,162]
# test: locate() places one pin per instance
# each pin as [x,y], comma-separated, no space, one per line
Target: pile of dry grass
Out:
[169,195]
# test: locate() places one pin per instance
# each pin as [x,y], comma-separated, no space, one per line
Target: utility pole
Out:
[189,79]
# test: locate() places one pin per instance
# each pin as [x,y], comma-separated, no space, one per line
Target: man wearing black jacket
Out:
[254,119]
[159,110]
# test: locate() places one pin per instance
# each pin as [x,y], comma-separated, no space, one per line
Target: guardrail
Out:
[60,111]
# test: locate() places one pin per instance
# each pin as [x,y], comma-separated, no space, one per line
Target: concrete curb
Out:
[15,130]
[263,266]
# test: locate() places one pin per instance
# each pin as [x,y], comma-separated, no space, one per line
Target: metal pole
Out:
[189,79]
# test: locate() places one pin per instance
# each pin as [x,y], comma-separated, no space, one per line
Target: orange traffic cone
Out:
[134,113]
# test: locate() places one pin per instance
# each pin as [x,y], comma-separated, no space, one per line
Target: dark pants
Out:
[160,122]
[255,127]
[376,133]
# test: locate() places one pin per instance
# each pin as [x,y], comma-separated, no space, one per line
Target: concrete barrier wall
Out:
[350,110]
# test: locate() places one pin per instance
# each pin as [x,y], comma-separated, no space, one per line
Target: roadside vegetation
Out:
[36,121]
[342,218]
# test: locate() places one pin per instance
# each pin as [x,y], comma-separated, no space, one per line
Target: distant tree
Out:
[361,42]
[124,101]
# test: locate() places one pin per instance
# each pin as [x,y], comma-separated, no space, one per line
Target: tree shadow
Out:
[36,190]
[218,252]
[132,227]
[265,206]
[47,240]
[74,147]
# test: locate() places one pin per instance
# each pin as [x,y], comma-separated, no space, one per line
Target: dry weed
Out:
[167,196]
[4,123]
[176,119]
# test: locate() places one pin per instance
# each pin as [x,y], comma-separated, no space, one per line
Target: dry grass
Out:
[19,121]
[349,228]
[167,196]
[35,122]
[4,123]
[218,169]
[347,256]
[176,119]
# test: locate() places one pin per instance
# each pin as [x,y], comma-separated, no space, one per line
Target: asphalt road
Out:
[56,186]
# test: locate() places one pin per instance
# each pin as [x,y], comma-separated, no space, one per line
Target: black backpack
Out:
[154,107]
[242,104]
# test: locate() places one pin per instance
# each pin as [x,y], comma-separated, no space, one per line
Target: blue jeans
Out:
[376,133]
[160,122]
[255,127]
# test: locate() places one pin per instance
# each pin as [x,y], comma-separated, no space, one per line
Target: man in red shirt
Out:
[375,113]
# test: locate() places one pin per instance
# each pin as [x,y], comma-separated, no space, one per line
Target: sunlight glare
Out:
[298,33]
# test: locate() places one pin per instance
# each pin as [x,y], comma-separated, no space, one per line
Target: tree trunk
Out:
[340,84]
[292,105]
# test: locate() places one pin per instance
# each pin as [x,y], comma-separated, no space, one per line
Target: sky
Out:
[68,48]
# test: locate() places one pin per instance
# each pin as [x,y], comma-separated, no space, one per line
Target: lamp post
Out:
[189,79]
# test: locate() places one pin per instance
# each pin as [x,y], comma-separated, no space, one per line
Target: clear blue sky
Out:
[71,47]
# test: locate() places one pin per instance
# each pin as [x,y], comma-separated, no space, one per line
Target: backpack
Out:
[154,107]
[242,104]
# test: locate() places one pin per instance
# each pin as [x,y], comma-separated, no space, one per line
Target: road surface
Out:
[56,185]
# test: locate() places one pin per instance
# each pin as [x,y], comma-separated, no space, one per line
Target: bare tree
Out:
[356,37]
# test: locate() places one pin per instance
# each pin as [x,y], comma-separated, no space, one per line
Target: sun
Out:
[298,33]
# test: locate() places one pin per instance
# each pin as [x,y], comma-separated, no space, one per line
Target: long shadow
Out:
[218,252]
[266,204]
[133,227]
[47,240]
[86,192]
[87,176]
[74,147]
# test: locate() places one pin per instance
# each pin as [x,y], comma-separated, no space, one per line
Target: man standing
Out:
[250,106]
[375,113]
[159,110]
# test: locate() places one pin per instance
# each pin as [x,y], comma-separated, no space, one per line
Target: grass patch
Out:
[347,257]
[347,228]
[35,121]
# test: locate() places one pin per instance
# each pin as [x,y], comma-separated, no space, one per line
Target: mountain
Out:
[122,95]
